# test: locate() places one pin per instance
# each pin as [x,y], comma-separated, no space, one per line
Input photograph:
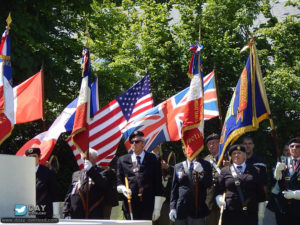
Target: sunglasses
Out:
[294,146]
[136,142]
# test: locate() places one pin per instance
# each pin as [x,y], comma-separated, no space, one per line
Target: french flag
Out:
[80,132]
[6,89]
[63,123]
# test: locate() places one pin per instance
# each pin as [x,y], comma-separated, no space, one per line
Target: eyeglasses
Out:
[136,141]
[294,146]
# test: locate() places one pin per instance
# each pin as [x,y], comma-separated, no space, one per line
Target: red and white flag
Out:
[80,132]
[193,122]
[28,100]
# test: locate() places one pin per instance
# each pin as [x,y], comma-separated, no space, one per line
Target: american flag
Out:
[163,122]
[105,129]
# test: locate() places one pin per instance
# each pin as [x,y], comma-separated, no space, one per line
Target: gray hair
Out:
[92,153]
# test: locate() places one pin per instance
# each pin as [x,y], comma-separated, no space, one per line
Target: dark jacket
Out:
[183,191]
[253,192]
[147,181]
[97,189]
[46,189]
[279,203]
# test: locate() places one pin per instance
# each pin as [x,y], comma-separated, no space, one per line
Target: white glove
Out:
[291,194]
[220,201]
[158,202]
[68,217]
[197,167]
[124,190]
[261,210]
[278,170]
[87,165]
[173,215]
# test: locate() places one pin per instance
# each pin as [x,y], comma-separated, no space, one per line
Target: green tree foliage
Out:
[126,37]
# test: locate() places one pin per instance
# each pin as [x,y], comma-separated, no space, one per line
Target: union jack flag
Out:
[163,122]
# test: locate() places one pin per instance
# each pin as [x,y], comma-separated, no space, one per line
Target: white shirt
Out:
[189,163]
[243,167]
[142,155]
[37,167]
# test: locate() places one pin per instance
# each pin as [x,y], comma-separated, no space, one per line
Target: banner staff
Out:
[43,97]
[87,152]
[129,199]
[264,95]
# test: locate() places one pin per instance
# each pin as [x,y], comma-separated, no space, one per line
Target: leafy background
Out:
[125,37]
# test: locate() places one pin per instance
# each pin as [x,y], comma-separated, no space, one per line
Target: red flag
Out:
[28,100]
[193,121]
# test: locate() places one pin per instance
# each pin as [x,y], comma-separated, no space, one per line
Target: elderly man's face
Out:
[137,145]
[295,149]
[92,159]
[213,146]
[238,157]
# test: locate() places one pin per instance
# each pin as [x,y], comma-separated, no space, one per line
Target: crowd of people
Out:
[198,192]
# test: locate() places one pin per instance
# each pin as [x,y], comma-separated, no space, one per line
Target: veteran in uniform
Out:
[212,143]
[46,185]
[288,176]
[143,172]
[244,191]
[75,200]
[185,207]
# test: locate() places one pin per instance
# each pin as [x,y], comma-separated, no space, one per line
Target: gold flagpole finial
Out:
[8,21]
[87,36]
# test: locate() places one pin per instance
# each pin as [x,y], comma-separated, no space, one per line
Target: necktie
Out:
[138,159]
[296,163]
[191,167]
[240,168]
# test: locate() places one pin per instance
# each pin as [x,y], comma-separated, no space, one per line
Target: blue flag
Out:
[248,106]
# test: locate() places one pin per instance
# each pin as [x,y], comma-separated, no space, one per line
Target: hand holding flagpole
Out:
[129,199]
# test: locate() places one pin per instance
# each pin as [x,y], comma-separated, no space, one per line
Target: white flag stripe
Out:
[102,126]
[105,112]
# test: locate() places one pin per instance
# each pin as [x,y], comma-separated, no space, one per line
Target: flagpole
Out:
[87,152]
[43,97]
[264,95]
[218,97]
[196,173]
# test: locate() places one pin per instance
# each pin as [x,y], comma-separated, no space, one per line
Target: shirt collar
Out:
[189,163]
[37,167]
[294,158]
[243,166]
[142,155]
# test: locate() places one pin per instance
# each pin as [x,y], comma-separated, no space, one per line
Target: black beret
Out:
[212,137]
[33,151]
[294,140]
[236,147]
[136,133]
